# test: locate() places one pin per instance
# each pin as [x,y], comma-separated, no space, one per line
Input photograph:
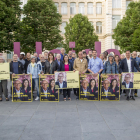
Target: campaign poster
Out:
[67,79]
[89,87]
[131,80]
[48,92]
[4,71]
[22,88]
[110,87]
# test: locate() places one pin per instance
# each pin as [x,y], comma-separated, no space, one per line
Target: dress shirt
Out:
[18,93]
[106,92]
[61,85]
[129,64]
[127,85]
[85,91]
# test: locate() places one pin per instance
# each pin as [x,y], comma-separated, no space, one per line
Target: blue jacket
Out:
[124,66]
[35,71]
[62,67]
[138,63]
[108,68]
[62,56]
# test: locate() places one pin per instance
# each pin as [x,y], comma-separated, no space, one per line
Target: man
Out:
[21,58]
[106,91]
[41,63]
[61,83]
[27,61]
[95,65]
[127,82]
[127,65]
[81,65]
[71,59]
[45,90]
[122,56]
[84,89]
[74,55]
[58,59]
[134,55]
[35,55]
[90,54]
[62,53]
[46,55]
[83,51]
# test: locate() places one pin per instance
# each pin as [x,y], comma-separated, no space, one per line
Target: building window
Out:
[116,3]
[127,3]
[72,8]
[63,27]
[64,8]
[99,8]
[10,55]
[57,6]
[115,20]
[91,23]
[99,27]
[81,8]
[90,8]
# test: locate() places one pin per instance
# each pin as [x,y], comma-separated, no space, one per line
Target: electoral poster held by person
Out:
[22,88]
[48,92]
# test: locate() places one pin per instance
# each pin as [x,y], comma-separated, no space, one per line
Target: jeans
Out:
[36,84]
[3,85]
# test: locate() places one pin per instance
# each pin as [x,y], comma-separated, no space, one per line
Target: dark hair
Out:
[90,84]
[128,51]
[105,52]
[24,81]
[118,57]
[50,53]
[64,59]
[112,82]
[84,52]
[50,83]
[94,51]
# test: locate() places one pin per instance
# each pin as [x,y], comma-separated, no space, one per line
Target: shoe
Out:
[37,98]
[133,98]
[136,95]
[77,98]
[127,98]
[7,99]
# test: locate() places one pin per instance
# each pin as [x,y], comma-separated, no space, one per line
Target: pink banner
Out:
[17,48]
[39,48]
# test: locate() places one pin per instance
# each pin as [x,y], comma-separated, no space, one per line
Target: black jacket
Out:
[124,66]
[62,67]
[55,67]
[26,65]
[20,68]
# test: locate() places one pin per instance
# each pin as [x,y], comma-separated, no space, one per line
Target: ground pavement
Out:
[70,120]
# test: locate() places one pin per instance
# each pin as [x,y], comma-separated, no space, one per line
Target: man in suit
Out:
[127,82]
[127,65]
[106,90]
[61,83]
[84,89]
[45,90]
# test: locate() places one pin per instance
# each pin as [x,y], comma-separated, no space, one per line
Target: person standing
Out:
[117,60]
[127,65]
[27,61]
[3,84]
[90,54]
[62,53]
[71,59]
[74,55]
[110,66]
[21,58]
[105,56]
[81,65]
[33,69]
[58,59]
[46,55]
[66,66]
[37,58]
[41,63]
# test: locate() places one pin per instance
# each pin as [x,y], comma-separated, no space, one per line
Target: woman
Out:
[66,66]
[93,89]
[51,65]
[3,83]
[26,89]
[110,66]
[117,60]
[115,88]
[85,57]
[52,89]
[33,69]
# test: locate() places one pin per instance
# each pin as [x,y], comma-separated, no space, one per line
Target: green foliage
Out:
[125,30]
[9,22]
[40,24]
[80,31]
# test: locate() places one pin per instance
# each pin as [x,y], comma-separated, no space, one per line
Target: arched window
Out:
[99,27]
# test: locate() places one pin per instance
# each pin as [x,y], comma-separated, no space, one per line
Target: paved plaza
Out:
[71,120]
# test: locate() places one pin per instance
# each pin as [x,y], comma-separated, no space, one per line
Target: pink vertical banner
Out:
[39,48]
[98,48]
[72,45]
[17,48]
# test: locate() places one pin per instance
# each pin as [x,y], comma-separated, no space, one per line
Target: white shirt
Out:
[106,92]
[127,85]
[129,64]
[18,93]
[45,91]
[81,60]
[61,85]
[85,91]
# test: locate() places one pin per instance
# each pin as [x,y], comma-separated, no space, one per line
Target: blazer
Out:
[27,93]
[94,92]
[115,92]
[84,96]
[62,66]
[124,66]
[130,84]
[64,84]
[55,67]
[55,94]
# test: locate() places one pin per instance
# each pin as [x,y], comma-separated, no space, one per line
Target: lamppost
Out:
[111,27]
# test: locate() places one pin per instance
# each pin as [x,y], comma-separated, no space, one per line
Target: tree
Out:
[9,22]
[124,32]
[40,24]
[80,31]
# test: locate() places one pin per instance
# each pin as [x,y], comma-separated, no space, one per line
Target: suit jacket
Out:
[94,92]
[47,96]
[124,66]
[115,92]
[53,93]
[81,92]
[27,93]
[130,84]
[62,66]
[64,84]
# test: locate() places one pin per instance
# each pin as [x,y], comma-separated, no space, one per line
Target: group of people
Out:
[84,63]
